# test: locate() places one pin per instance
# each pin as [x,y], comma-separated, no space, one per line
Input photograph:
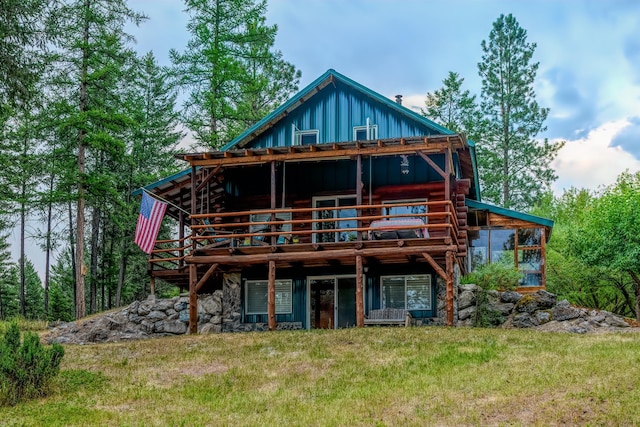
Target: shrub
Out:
[498,276]
[27,368]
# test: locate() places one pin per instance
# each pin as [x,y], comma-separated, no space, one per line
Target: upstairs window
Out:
[365,133]
[304,137]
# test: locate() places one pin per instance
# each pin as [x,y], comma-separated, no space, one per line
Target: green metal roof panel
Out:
[474,204]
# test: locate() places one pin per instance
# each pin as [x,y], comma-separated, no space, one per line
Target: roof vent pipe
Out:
[399,99]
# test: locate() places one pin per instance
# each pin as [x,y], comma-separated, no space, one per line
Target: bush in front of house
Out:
[27,368]
[494,276]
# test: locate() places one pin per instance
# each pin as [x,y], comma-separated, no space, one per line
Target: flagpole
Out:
[155,196]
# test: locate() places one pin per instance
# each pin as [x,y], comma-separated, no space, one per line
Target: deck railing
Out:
[309,226]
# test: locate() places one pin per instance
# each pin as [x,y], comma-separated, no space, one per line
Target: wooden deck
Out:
[445,227]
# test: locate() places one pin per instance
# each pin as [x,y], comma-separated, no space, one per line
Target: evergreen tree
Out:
[227,67]
[91,54]
[22,38]
[514,167]
[9,297]
[34,298]
[454,108]
[150,155]
[61,298]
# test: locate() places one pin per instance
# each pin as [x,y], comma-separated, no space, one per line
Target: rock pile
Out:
[539,310]
[142,319]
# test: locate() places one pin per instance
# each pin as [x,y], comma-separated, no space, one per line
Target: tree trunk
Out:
[636,281]
[121,273]
[47,267]
[81,269]
[23,217]
[95,234]
[73,255]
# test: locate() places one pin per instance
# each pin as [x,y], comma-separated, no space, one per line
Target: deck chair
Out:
[216,238]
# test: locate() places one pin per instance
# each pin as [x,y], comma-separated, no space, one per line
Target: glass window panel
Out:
[418,292]
[407,292]
[256,300]
[529,259]
[531,279]
[502,244]
[479,250]
[530,237]
[393,292]
[257,297]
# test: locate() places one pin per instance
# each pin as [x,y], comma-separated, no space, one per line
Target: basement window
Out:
[256,296]
[411,292]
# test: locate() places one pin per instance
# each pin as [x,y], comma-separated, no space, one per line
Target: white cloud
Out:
[592,162]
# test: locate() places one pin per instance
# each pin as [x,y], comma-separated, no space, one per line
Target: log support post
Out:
[193,299]
[193,268]
[271,296]
[152,284]
[449,287]
[359,292]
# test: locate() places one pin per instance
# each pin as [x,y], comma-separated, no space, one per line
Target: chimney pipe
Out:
[399,99]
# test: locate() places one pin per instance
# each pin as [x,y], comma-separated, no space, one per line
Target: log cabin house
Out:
[338,206]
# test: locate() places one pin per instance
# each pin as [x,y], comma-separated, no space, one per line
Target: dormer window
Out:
[366,132]
[305,137]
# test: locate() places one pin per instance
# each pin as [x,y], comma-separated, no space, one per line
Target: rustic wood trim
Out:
[543,243]
[313,256]
[359,186]
[193,299]
[435,265]
[208,178]
[206,276]
[318,154]
[271,296]
[449,291]
[432,164]
[359,293]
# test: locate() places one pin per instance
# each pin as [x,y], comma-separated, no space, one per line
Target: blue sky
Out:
[589,54]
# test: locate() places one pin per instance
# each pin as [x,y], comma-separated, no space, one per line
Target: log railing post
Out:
[359,293]
[271,296]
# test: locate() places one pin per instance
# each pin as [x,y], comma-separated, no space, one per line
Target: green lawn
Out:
[373,376]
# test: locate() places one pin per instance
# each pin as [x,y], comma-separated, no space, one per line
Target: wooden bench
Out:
[388,316]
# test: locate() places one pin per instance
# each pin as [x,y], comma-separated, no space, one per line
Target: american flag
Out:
[149,220]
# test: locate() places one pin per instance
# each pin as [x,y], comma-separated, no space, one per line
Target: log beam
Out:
[359,293]
[314,255]
[206,276]
[193,299]
[449,287]
[432,262]
[271,296]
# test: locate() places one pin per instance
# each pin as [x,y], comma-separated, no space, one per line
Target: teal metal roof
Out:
[322,81]
[474,204]
[172,179]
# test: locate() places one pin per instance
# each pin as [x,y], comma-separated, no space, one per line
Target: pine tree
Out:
[91,55]
[9,299]
[454,108]
[229,41]
[22,38]
[514,166]
[34,299]
[150,155]
[61,301]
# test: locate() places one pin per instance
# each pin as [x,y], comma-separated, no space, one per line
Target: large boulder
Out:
[466,299]
[539,300]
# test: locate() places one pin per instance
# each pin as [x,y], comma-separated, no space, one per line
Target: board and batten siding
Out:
[335,111]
